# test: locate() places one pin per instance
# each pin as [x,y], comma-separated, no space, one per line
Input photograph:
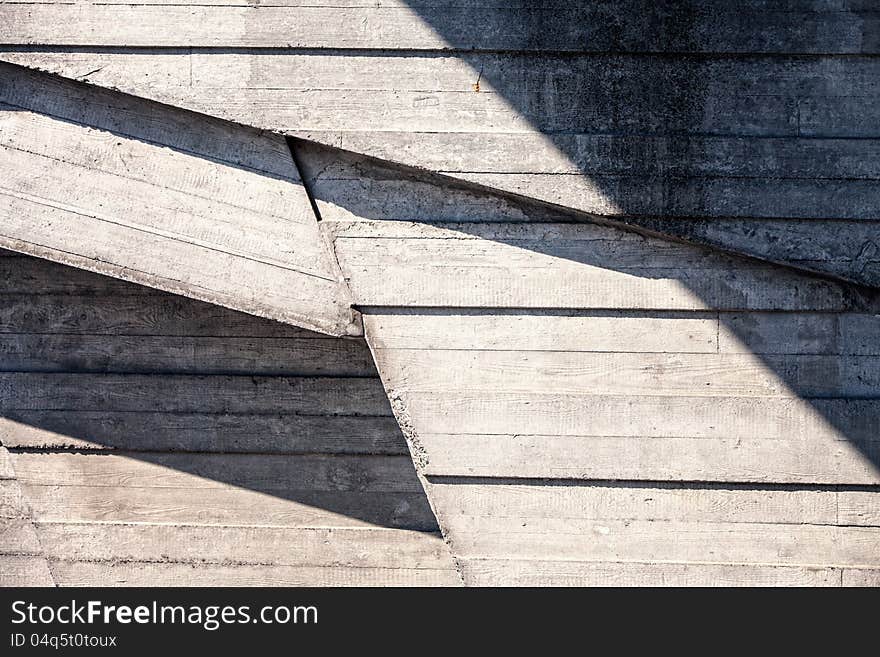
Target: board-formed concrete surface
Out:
[159,196]
[747,126]
[617,266]
[149,439]
[589,406]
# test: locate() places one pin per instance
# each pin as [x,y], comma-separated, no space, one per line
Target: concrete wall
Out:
[166,198]
[588,406]
[584,404]
[149,439]
[750,126]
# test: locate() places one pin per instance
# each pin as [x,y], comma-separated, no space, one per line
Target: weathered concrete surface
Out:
[365,187]
[618,25]
[22,559]
[155,440]
[574,394]
[748,126]
[158,196]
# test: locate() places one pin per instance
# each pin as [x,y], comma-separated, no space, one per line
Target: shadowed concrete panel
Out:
[367,188]
[588,406]
[182,443]
[153,195]
[767,155]
[622,25]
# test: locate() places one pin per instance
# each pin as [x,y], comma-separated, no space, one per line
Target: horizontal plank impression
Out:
[33,277]
[512,572]
[639,540]
[613,331]
[229,195]
[621,501]
[201,432]
[580,265]
[586,287]
[859,507]
[129,117]
[266,473]
[840,116]
[115,573]
[758,197]
[711,26]
[840,248]
[861,577]
[800,333]
[451,372]
[18,570]
[159,69]
[306,112]
[18,536]
[637,156]
[231,505]
[626,331]
[777,418]
[795,460]
[151,213]
[513,75]
[184,355]
[351,547]
[117,308]
[177,393]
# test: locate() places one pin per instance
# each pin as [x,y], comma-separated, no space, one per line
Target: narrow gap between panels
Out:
[574,482]
[300,170]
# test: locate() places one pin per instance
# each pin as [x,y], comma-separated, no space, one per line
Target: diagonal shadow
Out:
[691,119]
[212,399]
[137,396]
[561,96]
[828,359]
[739,126]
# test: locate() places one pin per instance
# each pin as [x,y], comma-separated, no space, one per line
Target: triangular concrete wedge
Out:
[765,157]
[165,198]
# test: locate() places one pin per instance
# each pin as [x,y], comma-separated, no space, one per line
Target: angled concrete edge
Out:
[163,197]
[844,249]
